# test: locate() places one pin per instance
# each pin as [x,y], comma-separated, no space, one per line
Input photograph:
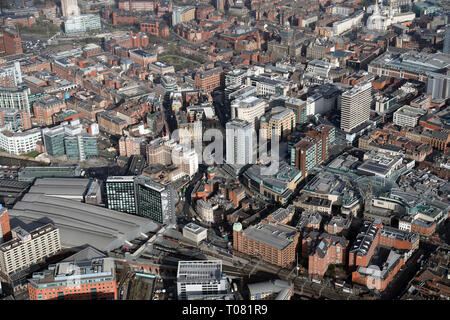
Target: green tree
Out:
[331,271]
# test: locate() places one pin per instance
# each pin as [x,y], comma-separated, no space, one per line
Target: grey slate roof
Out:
[274,235]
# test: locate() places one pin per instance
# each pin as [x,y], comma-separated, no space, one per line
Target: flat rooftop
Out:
[202,270]
[275,236]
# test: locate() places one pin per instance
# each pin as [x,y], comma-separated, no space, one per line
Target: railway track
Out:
[301,286]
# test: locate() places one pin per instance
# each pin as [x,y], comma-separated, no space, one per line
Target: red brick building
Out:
[373,234]
[36,63]
[111,123]
[316,143]
[10,42]
[423,228]
[379,278]
[95,278]
[122,17]
[273,243]
[209,80]
[138,5]
[129,41]
[154,27]
[24,21]
[203,11]
[129,146]
[323,249]
[5,228]
[365,244]
[45,108]
[91,49]
[143,58]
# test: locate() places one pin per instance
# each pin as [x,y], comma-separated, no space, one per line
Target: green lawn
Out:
[32,154]
[177,61]
[106,154]
[41,28]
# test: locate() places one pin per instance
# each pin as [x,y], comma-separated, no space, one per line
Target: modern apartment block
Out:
[182,14]
[355,106]
[10,76]
[186,159]
[81,146]
[16,98]
[130,146]
[87,275]
[280,121]
[408,116]
[300,108]
[166,151]
[235,77]
[240,142]
[313,148]
[159,151]
[273,243]
[141,196]
[200,279]
[15,119]
[27,248]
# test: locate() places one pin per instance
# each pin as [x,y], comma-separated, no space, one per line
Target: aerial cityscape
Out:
[229,150]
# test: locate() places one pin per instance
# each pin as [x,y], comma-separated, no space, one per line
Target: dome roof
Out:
[237,226]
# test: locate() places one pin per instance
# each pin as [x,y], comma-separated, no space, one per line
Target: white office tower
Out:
[249,109]
[240,142]
[446,48]
[186,159]
[70,8]
[438,85]
[200,279]
[355,106]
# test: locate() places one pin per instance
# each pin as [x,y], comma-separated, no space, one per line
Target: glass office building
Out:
[69,139]
[154,200]
[81,147]
[141,196]
[54,142]
[121,194]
